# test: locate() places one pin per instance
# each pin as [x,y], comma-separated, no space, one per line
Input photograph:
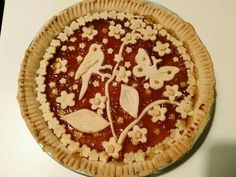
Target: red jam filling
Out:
[157,132]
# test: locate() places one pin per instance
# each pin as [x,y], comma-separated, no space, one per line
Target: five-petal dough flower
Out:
[137,24]
[89,32]
[122,74]
[60,66]
[118,58]
[157,113]
[116,31]
[172,92]
[66,99]
[129,157]
[138,135]
[185,109]
[161,48]
[98,101]
[148,33]
[112,148]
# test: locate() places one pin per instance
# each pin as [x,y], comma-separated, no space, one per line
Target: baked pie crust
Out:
[116,88]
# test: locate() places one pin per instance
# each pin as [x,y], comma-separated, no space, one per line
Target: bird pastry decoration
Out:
[91,64]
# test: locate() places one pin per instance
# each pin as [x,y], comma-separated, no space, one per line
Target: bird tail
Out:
[85,82]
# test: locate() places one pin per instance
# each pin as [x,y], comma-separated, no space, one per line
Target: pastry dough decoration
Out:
[92,63]
[175,134]
[112,148]
[129,100]
[85,151]
[95,83]
[120,120]
[172,92]
[64,48]
[137,24]
[66,99]
[148,33]
[146,85]
[175,59]
[128,49]
[73,39]
[79,58]
[110,51]
[81,45]
[74,26]
[98,101]
[121,16]
[145,68]
[60,65]
[181,125]
[74,147]
[100,112]
[66,139]
[123,74]
[105,41]
[93,155]
[129,157]
[51,84]
[63,37]
[139,156]
[55,43]
[118,58]
[71,48]
[42,69]
[131,38]
[127,64]
[138,135]
[62,81]
[157,113]
[185,108]
[86,121]
[103,157]
[68,31]
[81,21]
[89,32]
[162,49]
[116,31]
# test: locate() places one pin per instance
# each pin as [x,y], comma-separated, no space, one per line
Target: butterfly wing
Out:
[143,64]
[156,82]
[167,73]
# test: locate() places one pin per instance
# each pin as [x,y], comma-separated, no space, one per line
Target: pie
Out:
[116,88]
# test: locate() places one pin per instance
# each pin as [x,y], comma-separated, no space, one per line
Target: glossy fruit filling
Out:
[158,131]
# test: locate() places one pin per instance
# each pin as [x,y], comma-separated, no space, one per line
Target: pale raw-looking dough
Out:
[129,100]
[185,35]
[89,66]
[86,121]
[145,68]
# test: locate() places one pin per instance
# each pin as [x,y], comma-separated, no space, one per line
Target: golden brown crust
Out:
[48,140]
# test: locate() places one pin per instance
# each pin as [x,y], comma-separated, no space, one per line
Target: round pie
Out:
[116,88]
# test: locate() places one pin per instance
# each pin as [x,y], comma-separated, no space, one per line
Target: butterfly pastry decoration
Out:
[147,68]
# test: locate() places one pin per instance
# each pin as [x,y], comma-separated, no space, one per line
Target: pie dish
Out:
[116,88]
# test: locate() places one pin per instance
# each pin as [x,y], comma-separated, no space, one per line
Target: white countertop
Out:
[214,20]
